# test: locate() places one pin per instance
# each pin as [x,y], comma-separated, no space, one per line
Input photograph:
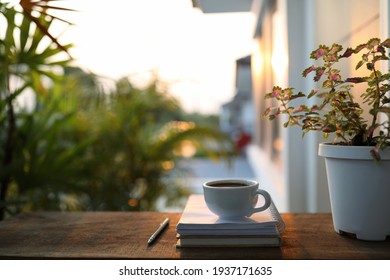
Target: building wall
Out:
[295,173]
[237,115]
[288,30]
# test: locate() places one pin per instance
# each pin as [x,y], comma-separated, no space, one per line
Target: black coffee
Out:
[231,185]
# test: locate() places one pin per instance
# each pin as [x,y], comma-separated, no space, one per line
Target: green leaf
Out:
[51,51]
[24,32]
[360,63]
[50,74]
[386,43]
[312,93]
[327,84]
[326,135]
[38,35]
[370,66]
[356,80]
[9,34]
[36,81]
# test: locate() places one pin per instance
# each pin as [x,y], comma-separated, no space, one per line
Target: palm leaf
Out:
[38,35]
[24,32]
[30,6]
[9,38]
[45,31]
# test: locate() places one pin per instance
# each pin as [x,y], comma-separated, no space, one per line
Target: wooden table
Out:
[124,235]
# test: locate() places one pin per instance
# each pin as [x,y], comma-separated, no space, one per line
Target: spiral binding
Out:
[276,215]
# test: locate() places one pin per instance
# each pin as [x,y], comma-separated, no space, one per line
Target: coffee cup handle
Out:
[267,202]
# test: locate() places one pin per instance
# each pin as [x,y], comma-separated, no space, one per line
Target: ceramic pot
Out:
[359,189]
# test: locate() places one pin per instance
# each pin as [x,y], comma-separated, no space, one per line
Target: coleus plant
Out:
[338,113]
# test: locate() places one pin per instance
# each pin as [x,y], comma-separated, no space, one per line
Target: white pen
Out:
[158,231]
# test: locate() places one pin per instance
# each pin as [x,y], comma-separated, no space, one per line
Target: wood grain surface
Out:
[124,235]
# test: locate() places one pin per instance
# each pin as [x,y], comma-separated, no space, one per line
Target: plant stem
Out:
[376,105]
[290,116]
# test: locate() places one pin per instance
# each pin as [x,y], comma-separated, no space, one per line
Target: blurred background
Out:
[132,105]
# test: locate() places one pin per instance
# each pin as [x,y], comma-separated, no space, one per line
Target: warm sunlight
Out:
[194,52]
[279,58]
[151,136]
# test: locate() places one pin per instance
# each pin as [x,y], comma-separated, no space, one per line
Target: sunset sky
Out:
[194,52]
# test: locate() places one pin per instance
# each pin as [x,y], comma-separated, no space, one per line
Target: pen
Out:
[158,231]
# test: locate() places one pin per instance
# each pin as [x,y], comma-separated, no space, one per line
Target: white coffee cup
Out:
[234,198]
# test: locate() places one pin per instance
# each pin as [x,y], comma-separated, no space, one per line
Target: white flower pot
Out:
[359,189]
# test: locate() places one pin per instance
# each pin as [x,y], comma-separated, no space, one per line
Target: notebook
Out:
[197,220]
[228,241]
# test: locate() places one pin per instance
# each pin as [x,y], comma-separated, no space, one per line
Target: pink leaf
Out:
[348,52]
[308,70]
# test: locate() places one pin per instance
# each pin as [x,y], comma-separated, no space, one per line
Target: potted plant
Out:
[358,158]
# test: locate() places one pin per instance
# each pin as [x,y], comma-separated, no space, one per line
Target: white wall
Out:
[301,184]
[296,176]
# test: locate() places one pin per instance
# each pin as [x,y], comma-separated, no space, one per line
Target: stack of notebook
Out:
[198,227]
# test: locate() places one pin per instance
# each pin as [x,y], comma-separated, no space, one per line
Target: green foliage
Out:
[25,54]
[45,161]
[115,151]
[338,113]
[26,59]
[79,147]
